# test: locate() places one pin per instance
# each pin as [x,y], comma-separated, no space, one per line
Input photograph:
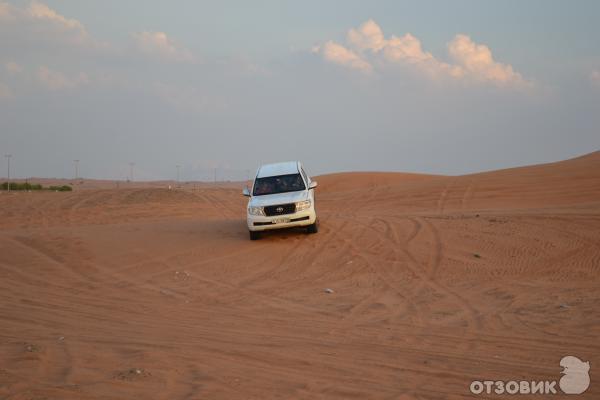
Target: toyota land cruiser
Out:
[282,196]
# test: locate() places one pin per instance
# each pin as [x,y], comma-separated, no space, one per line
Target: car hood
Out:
[278,198]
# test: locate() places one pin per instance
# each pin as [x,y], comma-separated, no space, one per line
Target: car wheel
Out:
[312,228]
[254,235]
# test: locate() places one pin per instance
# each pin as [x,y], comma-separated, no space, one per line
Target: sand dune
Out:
[144,292]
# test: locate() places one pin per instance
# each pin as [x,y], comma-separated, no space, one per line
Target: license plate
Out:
[281,220]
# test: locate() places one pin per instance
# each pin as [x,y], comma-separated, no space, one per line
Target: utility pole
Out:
[76,169]
[8,156]
[131,165]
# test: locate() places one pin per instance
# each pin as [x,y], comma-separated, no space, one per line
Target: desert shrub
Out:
[34,186]
[63,188]
[21,186]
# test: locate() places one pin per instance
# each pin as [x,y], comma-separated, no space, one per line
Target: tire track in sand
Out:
[356,311]
[427,275]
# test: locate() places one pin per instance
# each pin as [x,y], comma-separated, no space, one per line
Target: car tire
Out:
[312,228]
[254,235]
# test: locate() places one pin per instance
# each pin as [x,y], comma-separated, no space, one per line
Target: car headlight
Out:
[256,210]
[302,205]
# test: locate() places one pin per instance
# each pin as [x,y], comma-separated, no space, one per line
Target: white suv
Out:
[282,196]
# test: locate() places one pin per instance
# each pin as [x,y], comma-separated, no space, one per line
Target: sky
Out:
[428,86]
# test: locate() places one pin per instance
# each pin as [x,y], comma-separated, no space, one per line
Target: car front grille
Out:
[280,209]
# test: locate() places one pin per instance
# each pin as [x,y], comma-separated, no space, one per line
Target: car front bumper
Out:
[263,223]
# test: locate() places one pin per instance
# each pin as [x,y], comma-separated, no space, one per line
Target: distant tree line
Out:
[34,186]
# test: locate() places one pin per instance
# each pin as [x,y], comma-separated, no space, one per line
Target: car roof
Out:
[282,168]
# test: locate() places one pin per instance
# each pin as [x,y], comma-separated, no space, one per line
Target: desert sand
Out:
[146,293]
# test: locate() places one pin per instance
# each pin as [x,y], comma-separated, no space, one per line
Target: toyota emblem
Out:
[279,209]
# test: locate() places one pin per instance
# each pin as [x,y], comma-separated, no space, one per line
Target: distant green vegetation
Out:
[63,188]
[34,186]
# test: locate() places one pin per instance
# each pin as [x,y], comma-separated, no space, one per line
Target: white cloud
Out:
[368,36]
[368,46]
[595,77]
[477,62]
[338,54]
[40,22]
[41,11]
[160,45]
[408,50]
[55,80]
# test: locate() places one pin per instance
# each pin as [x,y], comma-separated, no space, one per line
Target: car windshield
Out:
[278,184]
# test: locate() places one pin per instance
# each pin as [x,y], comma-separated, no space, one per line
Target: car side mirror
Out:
[246,192]
[312,185]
